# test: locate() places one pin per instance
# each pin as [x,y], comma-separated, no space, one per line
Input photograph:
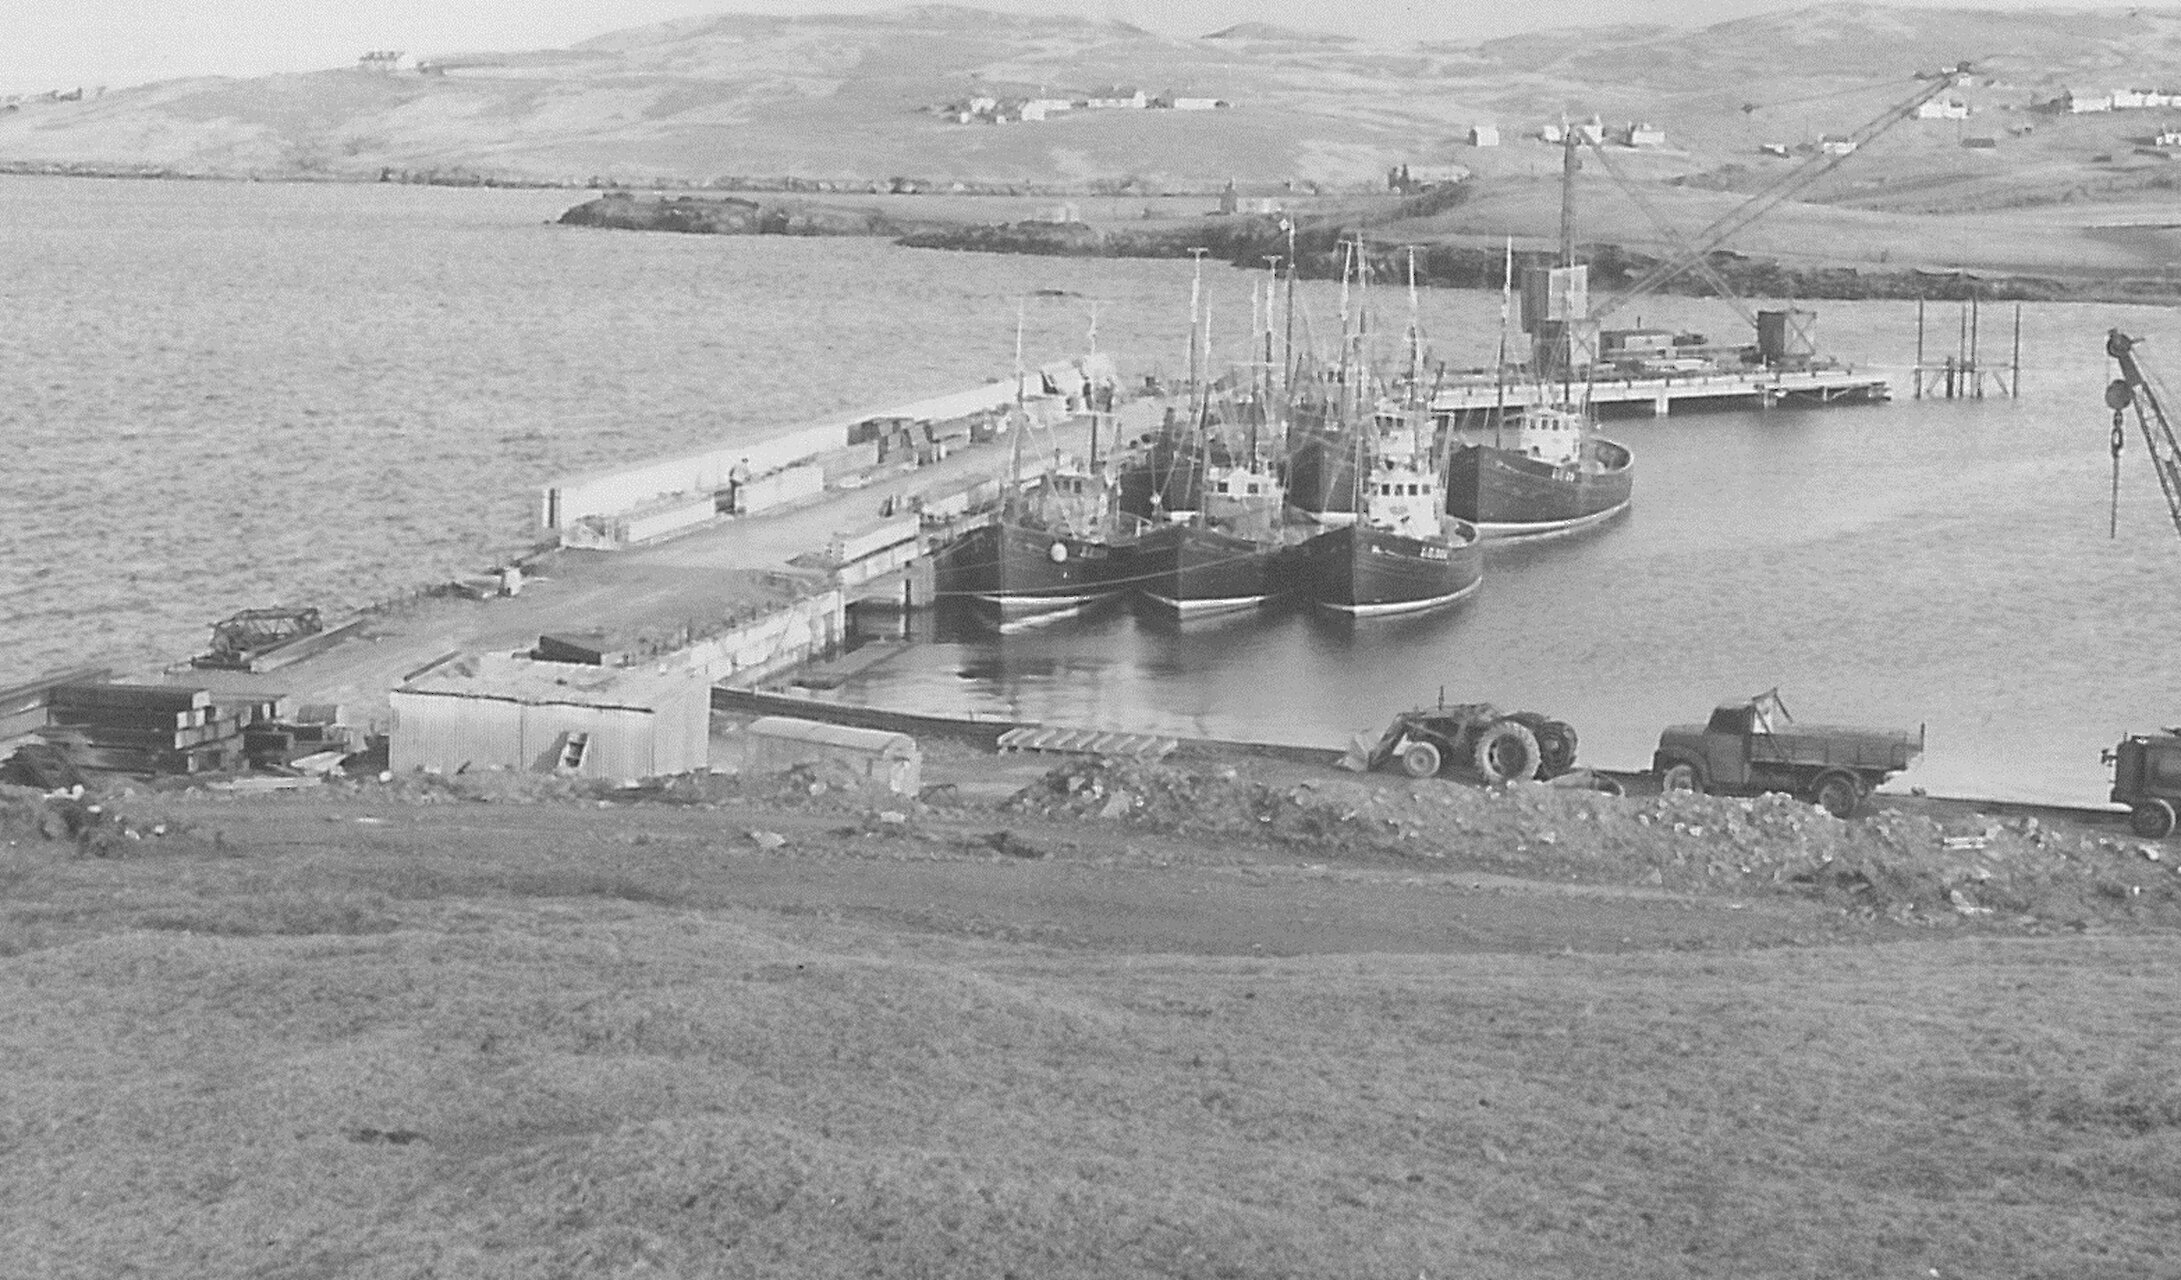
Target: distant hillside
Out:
[852,99]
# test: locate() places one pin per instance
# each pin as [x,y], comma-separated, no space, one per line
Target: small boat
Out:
[1545,472]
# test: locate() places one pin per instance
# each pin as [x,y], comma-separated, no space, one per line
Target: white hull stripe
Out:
[1208,606]
[1552,528]
[1404,606]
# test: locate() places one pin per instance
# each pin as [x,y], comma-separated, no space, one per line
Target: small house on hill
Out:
[1943,109]
[1117,98]
[1484,135]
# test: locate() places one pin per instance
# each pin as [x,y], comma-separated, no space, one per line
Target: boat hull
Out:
[1188,572]
[1027,574]
[1506,495]
[1361,571]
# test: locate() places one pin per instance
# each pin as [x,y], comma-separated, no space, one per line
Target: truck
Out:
[1752,746]
[2147,778]
[1498,745]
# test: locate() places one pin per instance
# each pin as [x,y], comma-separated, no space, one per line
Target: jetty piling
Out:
[1962,375]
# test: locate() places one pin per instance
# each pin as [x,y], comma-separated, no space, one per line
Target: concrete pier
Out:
[741,597]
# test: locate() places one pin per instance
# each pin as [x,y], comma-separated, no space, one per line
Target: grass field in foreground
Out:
[247,1060]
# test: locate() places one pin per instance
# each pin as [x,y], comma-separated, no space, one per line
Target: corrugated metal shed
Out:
[871,757]
[507,712]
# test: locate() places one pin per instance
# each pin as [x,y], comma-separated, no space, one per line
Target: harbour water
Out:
[218,396]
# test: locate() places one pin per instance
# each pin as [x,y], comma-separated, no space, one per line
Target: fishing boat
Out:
[1230,553]
[1398,551]
[1544,471]
[1056,547]
[1216,538]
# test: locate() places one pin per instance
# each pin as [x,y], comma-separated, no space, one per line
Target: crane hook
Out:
[2120,444]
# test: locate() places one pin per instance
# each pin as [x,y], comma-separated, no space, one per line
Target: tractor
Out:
[1499,746]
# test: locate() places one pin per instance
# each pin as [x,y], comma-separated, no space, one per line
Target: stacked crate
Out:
[153,728]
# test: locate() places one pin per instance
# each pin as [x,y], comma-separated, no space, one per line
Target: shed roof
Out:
[877,741]
[510,679]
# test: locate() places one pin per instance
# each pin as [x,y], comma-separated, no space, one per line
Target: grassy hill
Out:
[852,98]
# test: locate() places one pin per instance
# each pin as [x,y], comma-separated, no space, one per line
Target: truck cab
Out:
[1720,747]
[2147,778]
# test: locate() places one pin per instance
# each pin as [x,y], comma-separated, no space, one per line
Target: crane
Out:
[2134,389]
[1698,247]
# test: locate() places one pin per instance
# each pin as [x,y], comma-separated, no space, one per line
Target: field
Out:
[839,103]
[484,1027]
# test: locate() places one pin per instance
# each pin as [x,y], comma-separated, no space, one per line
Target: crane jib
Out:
[2135,389]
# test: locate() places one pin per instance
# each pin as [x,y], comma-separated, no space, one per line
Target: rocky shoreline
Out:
[1246,240]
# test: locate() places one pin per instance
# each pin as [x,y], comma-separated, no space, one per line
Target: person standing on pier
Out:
[737,476]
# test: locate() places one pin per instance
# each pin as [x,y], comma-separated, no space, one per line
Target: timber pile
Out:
[153,728]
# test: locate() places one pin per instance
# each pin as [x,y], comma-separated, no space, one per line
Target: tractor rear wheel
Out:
[1420,760]
[1507,751]
[2152,819]
[1555,746]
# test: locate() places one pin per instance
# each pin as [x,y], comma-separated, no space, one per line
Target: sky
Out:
[123,42]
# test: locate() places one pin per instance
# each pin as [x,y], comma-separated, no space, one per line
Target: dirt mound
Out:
[1890,865]
[86,819]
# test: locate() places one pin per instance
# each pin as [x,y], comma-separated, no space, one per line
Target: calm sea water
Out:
[218,396]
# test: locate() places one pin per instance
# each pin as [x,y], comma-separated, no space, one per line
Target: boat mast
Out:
[1019,427]
[1287,360]
[1565,356]
[1416,331]
[1264,399]
[1499,362]
[1092,391]
[1196,291]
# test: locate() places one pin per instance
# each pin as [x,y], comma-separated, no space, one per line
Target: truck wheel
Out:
[1420,760]
[1682,775]
[1507,750]
[2153,819]
[1837,793]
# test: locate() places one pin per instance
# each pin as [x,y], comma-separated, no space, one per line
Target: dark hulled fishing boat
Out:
[1054,549]
[1544,473]
[1230,553]
[1399,551]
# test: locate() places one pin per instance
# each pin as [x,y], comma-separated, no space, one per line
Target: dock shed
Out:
[496,711]
[874,758]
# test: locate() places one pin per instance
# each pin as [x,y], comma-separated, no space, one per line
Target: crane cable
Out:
[1751,108]
[1756,206]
